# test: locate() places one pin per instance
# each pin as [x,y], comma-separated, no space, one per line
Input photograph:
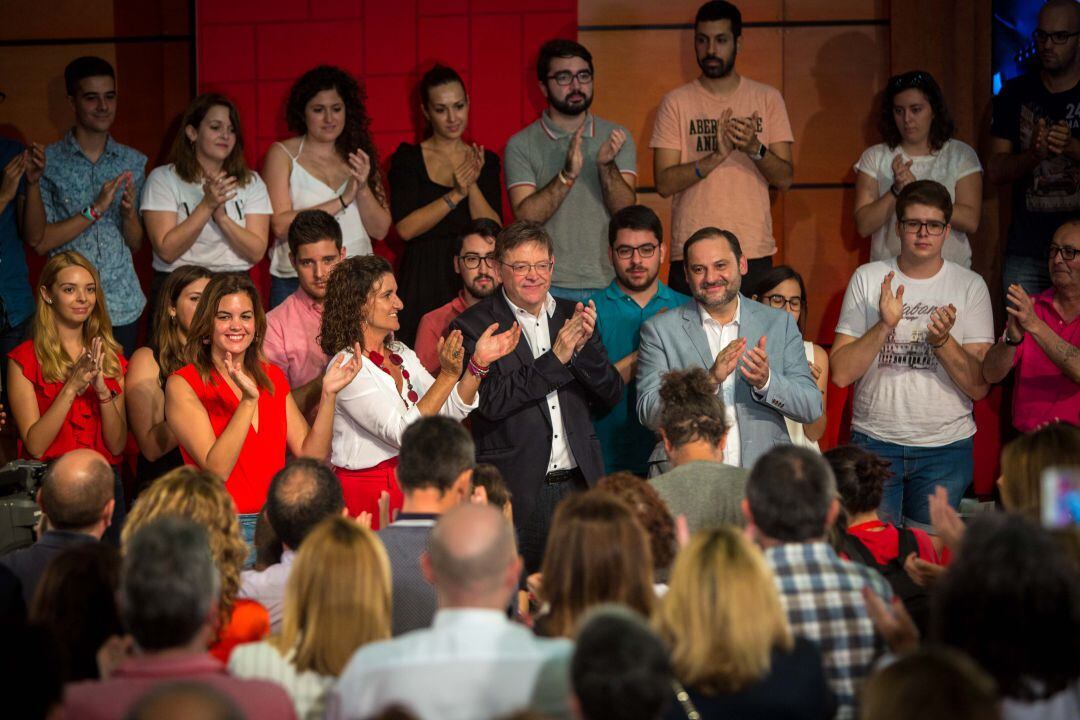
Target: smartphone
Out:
[1060,497]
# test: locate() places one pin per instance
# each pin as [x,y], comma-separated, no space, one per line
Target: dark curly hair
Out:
[690,409]
[357,131]
[860,477]
[942,126]
[348,291]
[651,512]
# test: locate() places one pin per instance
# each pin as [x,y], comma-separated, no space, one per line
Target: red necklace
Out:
[394,358]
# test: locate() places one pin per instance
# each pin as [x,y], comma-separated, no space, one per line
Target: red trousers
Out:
[362,489]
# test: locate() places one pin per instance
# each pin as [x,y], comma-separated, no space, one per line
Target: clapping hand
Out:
[466,174]
[1021,308]
[574,159]
[1058,136]
[727,359]
[342,372]
[248,388]
[1040,136]
[35,163]
[491,345]
[450,354]
[610,149]
[742,133]
[901,171]
[13,172]
[588,323]
[218,190]
[569,337]
[105,196]
[942,320]
[127,201]
[755,365]
[890,306]
[97,360]
[81,374]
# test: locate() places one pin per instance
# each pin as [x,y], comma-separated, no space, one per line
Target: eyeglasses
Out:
[625,252]
[472,261]
[933,227]
[778,301]
[1068,254]
[1057,38]
[565,77]
[522,269]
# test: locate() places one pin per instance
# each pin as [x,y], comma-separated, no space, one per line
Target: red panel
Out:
[226,53]
[322,9]
[271,109]
[262,146]
[443,7]
[390,37]
[538,29]
[496,78]
[249,11]
[988,441]
[287,51]
[444,40]
[548,5]
[389,103]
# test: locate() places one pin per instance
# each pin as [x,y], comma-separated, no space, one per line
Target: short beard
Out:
[567,109]
[730,294]
[644,285]
[723,71]
[481,293]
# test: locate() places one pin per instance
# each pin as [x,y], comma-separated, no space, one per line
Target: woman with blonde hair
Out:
[200,496]
[337,600]
[732,649]
[1023,461]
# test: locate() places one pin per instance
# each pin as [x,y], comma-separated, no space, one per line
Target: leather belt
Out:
[560,476]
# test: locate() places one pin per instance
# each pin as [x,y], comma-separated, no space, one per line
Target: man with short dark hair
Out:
[564,147]
[790,505]
[435,474]
[76,498]
[475,262]
[636,250]
[315,247]
[915,357]
[302,494]
[533,421]
[473,662]
[168,597]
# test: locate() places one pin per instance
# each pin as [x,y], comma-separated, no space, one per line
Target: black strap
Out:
[908,544]
[853,546]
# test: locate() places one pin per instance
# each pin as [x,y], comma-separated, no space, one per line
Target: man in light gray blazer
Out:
[755,353]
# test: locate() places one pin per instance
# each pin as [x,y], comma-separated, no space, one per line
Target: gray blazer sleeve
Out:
[792,390]
[651,365]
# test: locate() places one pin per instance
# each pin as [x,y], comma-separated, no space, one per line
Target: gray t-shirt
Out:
[414,601]
[709,494]
[578,228]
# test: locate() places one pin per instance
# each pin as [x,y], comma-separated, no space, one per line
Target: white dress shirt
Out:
[536,332]
[262,661]
[267,587]
[371,415]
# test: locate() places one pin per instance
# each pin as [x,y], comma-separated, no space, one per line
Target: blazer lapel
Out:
[505,317]
[692,325]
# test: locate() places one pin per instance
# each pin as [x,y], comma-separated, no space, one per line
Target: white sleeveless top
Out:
[795,429]
[306,191]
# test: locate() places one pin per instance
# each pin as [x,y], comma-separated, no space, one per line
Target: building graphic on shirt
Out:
[1055,181]
[914,353]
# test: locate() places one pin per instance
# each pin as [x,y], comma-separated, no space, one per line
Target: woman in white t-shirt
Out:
[917,129]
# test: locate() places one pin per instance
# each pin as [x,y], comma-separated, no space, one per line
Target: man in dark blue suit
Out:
[534,421]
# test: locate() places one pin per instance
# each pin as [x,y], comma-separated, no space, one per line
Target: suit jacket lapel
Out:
[505,317]
[692,325]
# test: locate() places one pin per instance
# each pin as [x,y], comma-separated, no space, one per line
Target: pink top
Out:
[1042,392]
[291,329]
[434,326]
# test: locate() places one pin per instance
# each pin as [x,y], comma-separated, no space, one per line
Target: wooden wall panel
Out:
[818,10]
[646,12]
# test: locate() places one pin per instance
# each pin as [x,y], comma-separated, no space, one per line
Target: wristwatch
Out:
[760,154]
[1008,341]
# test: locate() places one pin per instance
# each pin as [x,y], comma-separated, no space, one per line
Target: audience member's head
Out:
[860,478]
[169,585]
[1024,460]
[932,683]
[185,700]
[268,546]
[651,512]
[472,558]
[474,258]
[597,552]
[337,597]
[620,669]
[1011,600]
[76,600]
[301,495]
[721,617]
[437,457]
[77,493]
[928,193]
[199,496]
[488,477]
[791,496]
[691,413]
[910,90]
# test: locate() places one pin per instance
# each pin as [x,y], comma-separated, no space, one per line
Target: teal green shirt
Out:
[625,442]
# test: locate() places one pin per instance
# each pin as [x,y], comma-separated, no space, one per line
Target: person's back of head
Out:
[791,495]
[932,683]
[437,453]
[487,476]
[77,492]
[472,558]
[691,410]
[620,669]
[301,495]
[1011,600]
[184,700]
[169,585]
[860,477]
[1024,460]
[651,512]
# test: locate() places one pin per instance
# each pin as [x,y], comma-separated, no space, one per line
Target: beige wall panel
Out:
[643,12]
[21,19]
[836,9]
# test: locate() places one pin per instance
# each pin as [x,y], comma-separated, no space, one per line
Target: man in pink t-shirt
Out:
[720,141]
[1042,341]
[292,328]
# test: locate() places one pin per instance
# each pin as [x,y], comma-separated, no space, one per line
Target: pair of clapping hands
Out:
[891,310]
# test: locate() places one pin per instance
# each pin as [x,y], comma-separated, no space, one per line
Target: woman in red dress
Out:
[231,410]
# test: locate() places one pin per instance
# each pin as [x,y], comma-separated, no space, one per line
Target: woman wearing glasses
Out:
[782,287]
[437,188]
[392,389]
[917,129]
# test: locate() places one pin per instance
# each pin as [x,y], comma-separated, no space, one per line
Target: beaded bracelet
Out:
[478,370]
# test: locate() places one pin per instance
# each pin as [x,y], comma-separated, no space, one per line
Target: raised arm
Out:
[851,356]
[190,423]
[616,186]
[145,402]
[539,204]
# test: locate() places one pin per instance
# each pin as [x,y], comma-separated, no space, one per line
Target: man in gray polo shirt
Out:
[571,170]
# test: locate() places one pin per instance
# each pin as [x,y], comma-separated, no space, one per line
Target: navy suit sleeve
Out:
[596,374]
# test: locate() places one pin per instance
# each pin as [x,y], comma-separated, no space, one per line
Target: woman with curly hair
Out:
[917,129]
[651,512]
[200,496]
[330,165]
[392,389]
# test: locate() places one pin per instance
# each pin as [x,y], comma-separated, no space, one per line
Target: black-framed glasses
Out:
[625,252]
[472,260]
[1068,254]
[1057,38]
[565,77]
[521,269]
[778,301]
[933,227]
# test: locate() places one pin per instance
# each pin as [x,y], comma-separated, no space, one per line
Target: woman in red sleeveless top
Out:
[231,410]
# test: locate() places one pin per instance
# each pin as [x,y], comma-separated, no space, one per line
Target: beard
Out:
[566,108]
[481,292]
[628,282]
[720,70]
[730,293]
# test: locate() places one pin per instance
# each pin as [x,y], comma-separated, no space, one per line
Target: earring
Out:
[206,341]
[48,301]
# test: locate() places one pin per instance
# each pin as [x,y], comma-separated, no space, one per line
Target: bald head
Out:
[471,554]
[184,700]
[76,490]
[301,495]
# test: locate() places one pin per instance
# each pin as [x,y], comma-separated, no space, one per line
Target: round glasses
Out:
[625,252]
[778,301]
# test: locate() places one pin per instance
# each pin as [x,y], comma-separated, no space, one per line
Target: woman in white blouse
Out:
[392,388]
[337,600]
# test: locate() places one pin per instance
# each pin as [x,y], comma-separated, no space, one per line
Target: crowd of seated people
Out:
[518,474]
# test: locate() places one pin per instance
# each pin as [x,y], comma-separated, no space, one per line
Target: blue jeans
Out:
[247,529]
[1032,274]
[916,472]
[581,295]
[281,288]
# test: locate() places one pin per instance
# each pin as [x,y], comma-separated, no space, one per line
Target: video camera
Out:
[19,512]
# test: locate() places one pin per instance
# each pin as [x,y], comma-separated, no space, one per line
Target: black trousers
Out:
[534,530]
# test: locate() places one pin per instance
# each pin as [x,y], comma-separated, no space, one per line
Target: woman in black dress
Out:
[437,188]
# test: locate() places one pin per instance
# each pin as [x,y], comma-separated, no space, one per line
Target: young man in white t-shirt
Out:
[915,357]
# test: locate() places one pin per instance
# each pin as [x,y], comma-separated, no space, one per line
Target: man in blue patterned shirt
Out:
[791,502]
[90,194]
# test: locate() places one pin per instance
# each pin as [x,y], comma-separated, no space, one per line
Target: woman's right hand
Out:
[450,354]
[218,190]
[247,386]
[901,171]
[81,373]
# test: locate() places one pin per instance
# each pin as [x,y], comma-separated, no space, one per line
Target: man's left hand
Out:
[742,132]
[755,365]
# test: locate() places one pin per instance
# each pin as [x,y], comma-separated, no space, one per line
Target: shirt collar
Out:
[549,306]
[555,132]
[459,303]
[663,293]
[169,665]
[449,617]
[707,319]
[75,149]
[307,302]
